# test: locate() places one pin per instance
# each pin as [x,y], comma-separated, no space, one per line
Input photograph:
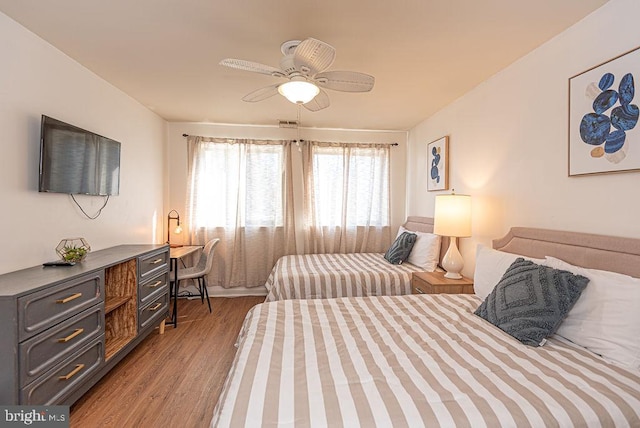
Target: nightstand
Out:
[436,283]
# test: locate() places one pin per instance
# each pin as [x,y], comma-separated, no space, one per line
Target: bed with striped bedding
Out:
[321,276]
[412,361]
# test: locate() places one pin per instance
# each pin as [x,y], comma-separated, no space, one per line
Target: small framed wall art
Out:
[438,164]
[603,136]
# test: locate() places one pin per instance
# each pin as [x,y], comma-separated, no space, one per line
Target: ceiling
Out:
[424,54]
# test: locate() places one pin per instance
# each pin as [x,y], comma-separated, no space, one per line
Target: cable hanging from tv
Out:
[96,215]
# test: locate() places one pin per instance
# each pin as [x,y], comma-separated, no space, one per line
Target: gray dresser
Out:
[63,328]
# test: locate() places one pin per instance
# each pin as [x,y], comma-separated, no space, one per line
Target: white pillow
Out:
[606,318]
[490,267]
[426,250]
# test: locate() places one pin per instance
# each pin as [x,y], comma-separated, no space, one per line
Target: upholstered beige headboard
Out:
[419,224]
[582,249]
[425,224]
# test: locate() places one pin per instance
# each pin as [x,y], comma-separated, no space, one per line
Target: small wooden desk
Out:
[176,253]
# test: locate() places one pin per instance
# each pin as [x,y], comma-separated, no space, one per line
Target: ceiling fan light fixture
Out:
[298,92]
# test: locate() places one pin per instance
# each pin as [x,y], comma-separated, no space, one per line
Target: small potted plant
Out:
[73,249]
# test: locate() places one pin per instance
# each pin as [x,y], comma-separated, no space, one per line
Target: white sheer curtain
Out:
[346,203]
[241,192]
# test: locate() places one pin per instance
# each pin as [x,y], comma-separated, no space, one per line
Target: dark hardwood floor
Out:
[170,380]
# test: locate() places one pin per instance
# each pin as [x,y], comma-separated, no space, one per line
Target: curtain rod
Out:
[391,144]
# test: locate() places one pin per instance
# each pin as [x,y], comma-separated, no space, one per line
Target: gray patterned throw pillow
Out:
[531,300]
[400,249]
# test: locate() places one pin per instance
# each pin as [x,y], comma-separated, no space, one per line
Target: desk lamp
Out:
[178,228]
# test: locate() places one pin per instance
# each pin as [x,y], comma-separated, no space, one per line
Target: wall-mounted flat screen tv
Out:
[76,161]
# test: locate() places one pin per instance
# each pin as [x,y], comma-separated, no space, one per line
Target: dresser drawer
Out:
[152,287]
[46,308]
[52,346]
[153,263]
[156,310]
[56,384]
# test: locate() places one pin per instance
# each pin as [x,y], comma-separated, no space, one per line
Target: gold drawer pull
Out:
[70,298]
[155,284]
[156,261]
[71,336]
[418,290]
[156,307]
[72,373]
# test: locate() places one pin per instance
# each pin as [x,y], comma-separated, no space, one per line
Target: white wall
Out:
[508,142]
[36,79]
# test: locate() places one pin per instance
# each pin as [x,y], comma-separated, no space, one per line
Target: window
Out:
[242,192]
[350,184]
[237,184]
[238,193]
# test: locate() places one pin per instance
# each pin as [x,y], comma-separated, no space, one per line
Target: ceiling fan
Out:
[304,64]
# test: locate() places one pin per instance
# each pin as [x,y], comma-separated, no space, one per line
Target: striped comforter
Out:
[412,361]
[316,276]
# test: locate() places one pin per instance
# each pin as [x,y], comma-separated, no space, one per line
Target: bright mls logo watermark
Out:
[34,416]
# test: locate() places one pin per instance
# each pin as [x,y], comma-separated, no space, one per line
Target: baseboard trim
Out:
[217,291]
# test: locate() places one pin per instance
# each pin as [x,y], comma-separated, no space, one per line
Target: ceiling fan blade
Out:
[261,94]
[345,81]
[319,102]
[254,67]
[312,56]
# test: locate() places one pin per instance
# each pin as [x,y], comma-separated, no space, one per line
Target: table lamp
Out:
[453,218]
[178,229]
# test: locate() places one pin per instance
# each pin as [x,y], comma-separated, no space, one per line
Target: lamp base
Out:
[175,245]
[452,261]
[452,275]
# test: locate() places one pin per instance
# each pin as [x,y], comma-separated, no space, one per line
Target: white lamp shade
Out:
[298,92]
[452,215]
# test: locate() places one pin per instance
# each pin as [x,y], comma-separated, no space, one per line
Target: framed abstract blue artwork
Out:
[603,114]
[438,164]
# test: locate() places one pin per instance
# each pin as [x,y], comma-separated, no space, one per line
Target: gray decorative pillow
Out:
[400,249]
[531,300]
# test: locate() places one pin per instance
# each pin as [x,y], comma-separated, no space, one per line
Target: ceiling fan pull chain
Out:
[299,106]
